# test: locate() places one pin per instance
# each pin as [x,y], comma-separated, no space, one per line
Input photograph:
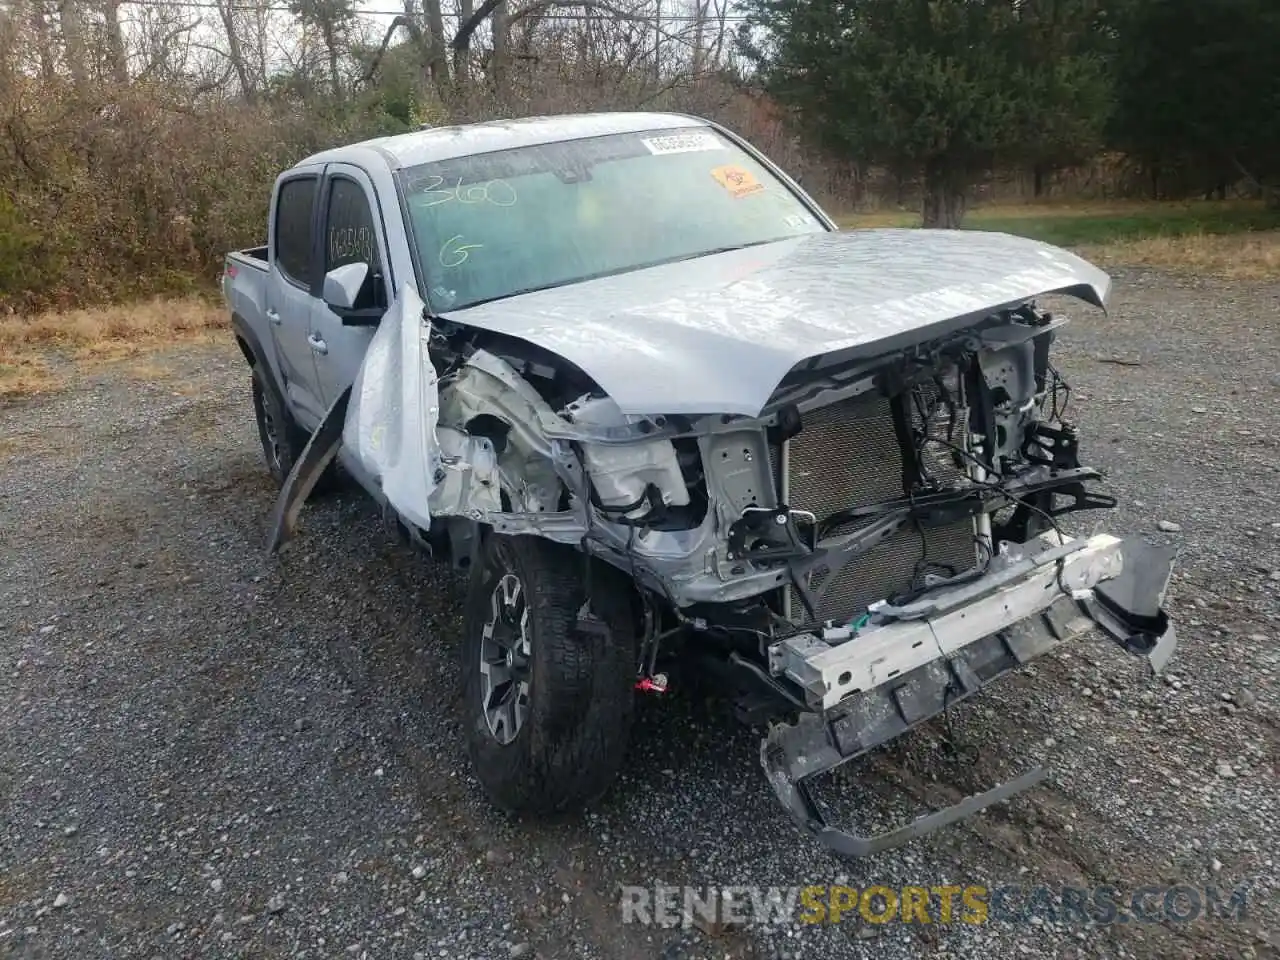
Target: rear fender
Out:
[256,353]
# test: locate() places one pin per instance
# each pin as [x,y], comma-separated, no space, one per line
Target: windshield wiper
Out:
[714,250]
[546,286]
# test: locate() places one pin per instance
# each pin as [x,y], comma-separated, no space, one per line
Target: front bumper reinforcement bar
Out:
[944,649]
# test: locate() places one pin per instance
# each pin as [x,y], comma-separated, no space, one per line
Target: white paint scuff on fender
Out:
[395,406]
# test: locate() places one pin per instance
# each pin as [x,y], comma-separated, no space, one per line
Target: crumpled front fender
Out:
[391,423]
[387,419]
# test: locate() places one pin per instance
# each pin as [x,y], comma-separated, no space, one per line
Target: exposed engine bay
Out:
[861,482]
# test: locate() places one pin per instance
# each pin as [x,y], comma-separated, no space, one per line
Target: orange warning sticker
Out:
[739,182]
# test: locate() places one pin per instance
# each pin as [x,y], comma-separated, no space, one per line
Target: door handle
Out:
[318,345]
[274,316]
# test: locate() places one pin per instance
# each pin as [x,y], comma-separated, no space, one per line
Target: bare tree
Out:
[462,58]
[332,20]
[37,17]
[437,62]
[73,41]
[117,58]
[500,27]
[166,49]
[235,52]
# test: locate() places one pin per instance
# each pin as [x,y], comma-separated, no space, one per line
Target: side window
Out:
[350,236]
[293,228]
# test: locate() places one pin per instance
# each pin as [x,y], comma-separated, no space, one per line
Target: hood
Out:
[717,334]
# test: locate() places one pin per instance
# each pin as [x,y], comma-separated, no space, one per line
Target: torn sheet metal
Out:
[487,385]
[307,469]
[395,406]
[470,485]
[717,334]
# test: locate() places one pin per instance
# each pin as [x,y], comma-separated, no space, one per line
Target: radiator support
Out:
[850,455]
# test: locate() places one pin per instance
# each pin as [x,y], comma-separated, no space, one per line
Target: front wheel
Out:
[547,708]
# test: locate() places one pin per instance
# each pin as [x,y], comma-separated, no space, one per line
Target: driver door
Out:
[350,232]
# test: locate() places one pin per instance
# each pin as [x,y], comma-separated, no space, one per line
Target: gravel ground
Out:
[204,752]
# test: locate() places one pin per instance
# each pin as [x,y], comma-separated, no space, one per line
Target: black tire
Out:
[580,692]
[282,439]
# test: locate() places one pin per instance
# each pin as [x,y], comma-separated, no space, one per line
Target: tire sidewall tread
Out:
[267,399]
[581,689]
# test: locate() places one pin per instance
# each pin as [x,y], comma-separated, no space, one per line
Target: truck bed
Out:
[244,286]
[253,256]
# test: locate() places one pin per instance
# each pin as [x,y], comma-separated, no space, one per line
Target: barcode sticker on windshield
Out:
[683,143]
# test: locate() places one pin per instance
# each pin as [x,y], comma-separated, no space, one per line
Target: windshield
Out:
[494,225]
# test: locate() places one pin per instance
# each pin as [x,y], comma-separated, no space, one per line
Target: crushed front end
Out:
[917,521]
[891,544]
[877,545]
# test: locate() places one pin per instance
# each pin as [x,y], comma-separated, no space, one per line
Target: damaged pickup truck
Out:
[623,370]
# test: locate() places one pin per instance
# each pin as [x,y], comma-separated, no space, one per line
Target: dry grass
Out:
[1164,209]
[1026,211]
[25,376]
[876,219]
[98,335]
[1238,240]
[1238,256]
[109,330]
[1064,208]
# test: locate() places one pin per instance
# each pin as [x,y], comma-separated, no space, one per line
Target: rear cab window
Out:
[295,207]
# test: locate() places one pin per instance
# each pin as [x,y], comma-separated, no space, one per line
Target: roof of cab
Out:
[445,143]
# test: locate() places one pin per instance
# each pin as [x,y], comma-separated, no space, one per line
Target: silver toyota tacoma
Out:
[626,373]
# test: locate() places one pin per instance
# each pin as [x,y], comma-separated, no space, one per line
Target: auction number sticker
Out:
[739,182]
[682,143]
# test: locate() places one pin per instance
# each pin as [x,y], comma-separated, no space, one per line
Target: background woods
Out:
[138,140]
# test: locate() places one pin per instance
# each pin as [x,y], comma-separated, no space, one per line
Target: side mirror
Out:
[342,285]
